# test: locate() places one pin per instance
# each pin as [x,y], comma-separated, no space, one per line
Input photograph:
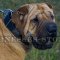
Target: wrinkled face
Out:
[38,25]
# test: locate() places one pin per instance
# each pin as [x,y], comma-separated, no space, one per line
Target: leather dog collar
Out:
[9,24]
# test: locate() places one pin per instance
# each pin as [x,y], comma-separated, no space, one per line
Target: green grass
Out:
[34,54]
[49,54]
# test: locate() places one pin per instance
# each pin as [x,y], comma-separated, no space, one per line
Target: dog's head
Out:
[36,22]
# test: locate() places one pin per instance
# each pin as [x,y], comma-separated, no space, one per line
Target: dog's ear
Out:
[49,5]
[20,13]
[23,10]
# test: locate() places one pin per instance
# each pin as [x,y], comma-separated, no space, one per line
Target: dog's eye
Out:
[35,20]
[52,16]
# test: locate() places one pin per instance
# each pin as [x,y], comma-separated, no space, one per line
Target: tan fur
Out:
[10,49]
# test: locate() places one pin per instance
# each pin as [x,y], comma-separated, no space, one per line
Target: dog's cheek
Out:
[32,28]
[32,31]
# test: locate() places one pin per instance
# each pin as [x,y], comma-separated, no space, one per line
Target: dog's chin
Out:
[42,46]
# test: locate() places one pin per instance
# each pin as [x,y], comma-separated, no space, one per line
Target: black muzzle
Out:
[46,35]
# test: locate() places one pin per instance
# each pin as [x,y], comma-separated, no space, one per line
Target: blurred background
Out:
[34,54]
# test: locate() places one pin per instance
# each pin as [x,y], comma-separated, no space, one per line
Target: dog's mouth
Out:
[43,43]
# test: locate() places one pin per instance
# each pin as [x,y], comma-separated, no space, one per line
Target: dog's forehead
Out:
[45,7]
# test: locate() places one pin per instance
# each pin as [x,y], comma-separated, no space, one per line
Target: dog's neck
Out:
[11,26]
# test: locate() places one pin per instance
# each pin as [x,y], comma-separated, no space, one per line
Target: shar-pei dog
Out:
[36,24]
[36,27]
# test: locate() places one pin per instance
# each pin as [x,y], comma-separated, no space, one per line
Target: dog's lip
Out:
[42,46]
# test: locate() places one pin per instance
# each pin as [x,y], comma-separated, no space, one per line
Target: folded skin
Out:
[10,48]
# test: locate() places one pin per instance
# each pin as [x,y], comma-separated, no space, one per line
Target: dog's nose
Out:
[52,30]
[51,27]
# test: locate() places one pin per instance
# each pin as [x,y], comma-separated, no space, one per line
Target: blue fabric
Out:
[9,24]
[7,17]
